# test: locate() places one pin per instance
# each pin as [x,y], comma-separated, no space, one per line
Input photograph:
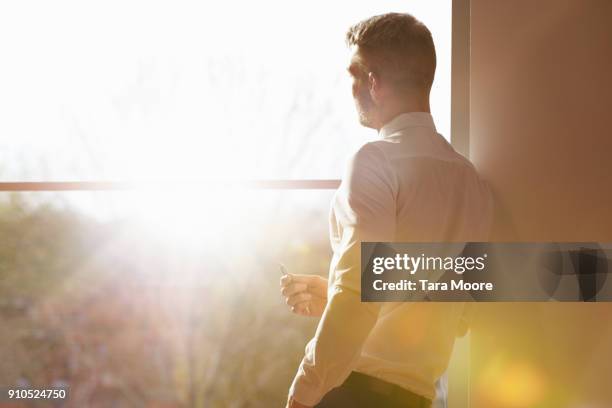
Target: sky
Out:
[164,90]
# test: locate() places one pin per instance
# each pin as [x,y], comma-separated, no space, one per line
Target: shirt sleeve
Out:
[366,203]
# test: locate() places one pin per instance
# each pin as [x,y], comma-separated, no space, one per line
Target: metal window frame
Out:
[460,77]
[273,184]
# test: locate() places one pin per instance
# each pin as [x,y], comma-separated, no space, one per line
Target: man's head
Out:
[393,61]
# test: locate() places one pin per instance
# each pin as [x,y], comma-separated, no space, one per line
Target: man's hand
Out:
[305,294]
[291,403]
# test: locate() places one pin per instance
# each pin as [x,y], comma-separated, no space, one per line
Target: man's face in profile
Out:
[361,90]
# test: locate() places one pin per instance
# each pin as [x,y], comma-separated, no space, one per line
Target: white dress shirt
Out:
[407,186]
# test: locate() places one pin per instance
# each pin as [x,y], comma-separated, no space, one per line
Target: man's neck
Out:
[389,114]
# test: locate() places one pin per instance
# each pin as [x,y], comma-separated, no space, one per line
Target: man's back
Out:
[439,194]
[425,192]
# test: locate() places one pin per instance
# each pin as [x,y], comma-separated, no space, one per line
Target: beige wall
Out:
[540,133]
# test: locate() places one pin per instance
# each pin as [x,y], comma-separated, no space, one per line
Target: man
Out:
[408,185]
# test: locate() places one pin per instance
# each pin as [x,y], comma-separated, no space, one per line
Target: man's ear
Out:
[374,86]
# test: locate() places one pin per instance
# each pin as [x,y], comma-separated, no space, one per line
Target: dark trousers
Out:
[362,391]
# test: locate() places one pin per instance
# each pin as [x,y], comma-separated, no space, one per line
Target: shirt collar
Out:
[407,120]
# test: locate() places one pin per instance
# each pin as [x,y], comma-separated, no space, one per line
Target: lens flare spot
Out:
[512,384]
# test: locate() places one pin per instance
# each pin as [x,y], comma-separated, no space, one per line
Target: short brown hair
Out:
[398,45]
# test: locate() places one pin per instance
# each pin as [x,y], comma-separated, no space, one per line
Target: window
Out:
[135,90]
[216,132]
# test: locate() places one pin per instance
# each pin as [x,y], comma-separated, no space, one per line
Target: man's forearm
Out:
[332,353]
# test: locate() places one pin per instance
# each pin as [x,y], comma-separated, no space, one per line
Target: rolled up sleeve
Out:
[365,207]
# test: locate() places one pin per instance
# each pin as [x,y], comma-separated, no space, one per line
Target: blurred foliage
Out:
[124,319]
